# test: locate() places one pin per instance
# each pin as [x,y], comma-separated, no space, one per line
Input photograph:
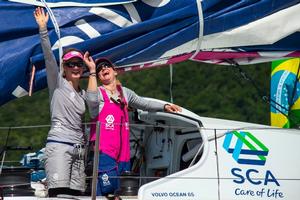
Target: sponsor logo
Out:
[245,148]
[105,180]
[109,122]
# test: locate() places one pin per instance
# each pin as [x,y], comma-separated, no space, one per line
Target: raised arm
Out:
[92,98]
[51,65]
[92,84]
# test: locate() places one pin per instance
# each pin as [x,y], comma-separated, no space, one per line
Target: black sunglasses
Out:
[102,65]
[74,64]
[118,101]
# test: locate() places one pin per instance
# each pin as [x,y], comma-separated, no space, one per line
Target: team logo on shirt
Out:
[109,122]
[105,180]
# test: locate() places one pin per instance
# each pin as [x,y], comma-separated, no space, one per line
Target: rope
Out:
[265,98]
[218,166]
[201,25]
[57,31]
[4,150]
[171,83]
[152,126]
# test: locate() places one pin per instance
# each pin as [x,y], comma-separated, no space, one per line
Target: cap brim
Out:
[101,60]
[72,54]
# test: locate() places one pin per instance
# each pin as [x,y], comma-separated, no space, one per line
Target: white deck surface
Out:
[65,197]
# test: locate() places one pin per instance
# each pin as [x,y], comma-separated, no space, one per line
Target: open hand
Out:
[89,62]
[41,17]
[172,108]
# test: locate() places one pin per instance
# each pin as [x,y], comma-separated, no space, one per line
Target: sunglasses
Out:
[118,102]
[103,65]
[74,64]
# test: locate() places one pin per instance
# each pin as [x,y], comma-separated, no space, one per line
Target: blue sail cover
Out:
[146,33]
[66,3]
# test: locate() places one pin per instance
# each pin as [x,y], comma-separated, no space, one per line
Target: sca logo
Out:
[245,148]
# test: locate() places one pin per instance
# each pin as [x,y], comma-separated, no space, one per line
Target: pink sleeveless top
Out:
[114,129]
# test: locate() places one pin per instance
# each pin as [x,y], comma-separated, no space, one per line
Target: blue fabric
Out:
[124,166]
[143,37]
[91,1]
[35,161]
[107,175]
[38,175]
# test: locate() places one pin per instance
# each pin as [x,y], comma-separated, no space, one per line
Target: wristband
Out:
[93,74]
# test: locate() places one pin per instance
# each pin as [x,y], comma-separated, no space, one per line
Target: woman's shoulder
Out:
[126,89]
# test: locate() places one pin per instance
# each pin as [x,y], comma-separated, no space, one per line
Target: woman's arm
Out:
[92,94]
[138,102]
[92,84]
[51,65]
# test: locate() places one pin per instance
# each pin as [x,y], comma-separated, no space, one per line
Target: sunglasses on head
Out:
[74,64]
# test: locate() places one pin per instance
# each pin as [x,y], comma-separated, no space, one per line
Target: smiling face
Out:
[106,71]
[107,75]
[73,69]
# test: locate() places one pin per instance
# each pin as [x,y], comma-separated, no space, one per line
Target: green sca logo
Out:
[245,148]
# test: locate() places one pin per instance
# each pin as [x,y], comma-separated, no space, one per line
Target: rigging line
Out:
[171,83]
[151,125]
[218,167]
[264,97]
[12,161]
[247,78]
[24,127]
[57,30]
[191,178]
[4,150]
[197,154]
[201,25]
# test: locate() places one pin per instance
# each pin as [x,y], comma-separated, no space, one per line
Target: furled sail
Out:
[146,33]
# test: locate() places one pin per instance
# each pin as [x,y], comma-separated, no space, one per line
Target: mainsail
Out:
[146,33]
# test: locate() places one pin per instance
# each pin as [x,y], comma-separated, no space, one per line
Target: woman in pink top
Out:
[110,108]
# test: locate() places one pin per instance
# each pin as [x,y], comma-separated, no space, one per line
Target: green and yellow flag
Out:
[285,93]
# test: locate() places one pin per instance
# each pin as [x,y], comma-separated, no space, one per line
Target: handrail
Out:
[191,129]
[261,127]
[96,161]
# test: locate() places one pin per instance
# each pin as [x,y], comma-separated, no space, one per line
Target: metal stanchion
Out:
[96,161]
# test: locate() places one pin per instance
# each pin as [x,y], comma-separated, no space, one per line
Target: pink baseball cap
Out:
[72,54]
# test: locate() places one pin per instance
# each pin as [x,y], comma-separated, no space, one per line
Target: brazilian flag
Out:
[285,93]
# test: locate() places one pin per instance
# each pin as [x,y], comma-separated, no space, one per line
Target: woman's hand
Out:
[41,17]
[172,108]
[89,62]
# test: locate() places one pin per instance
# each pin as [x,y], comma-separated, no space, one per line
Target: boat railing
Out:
[6,133]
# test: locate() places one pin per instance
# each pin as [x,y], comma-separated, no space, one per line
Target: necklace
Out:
[113,91]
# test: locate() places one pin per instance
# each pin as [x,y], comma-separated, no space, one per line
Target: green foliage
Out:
[207,90]
[26,111]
